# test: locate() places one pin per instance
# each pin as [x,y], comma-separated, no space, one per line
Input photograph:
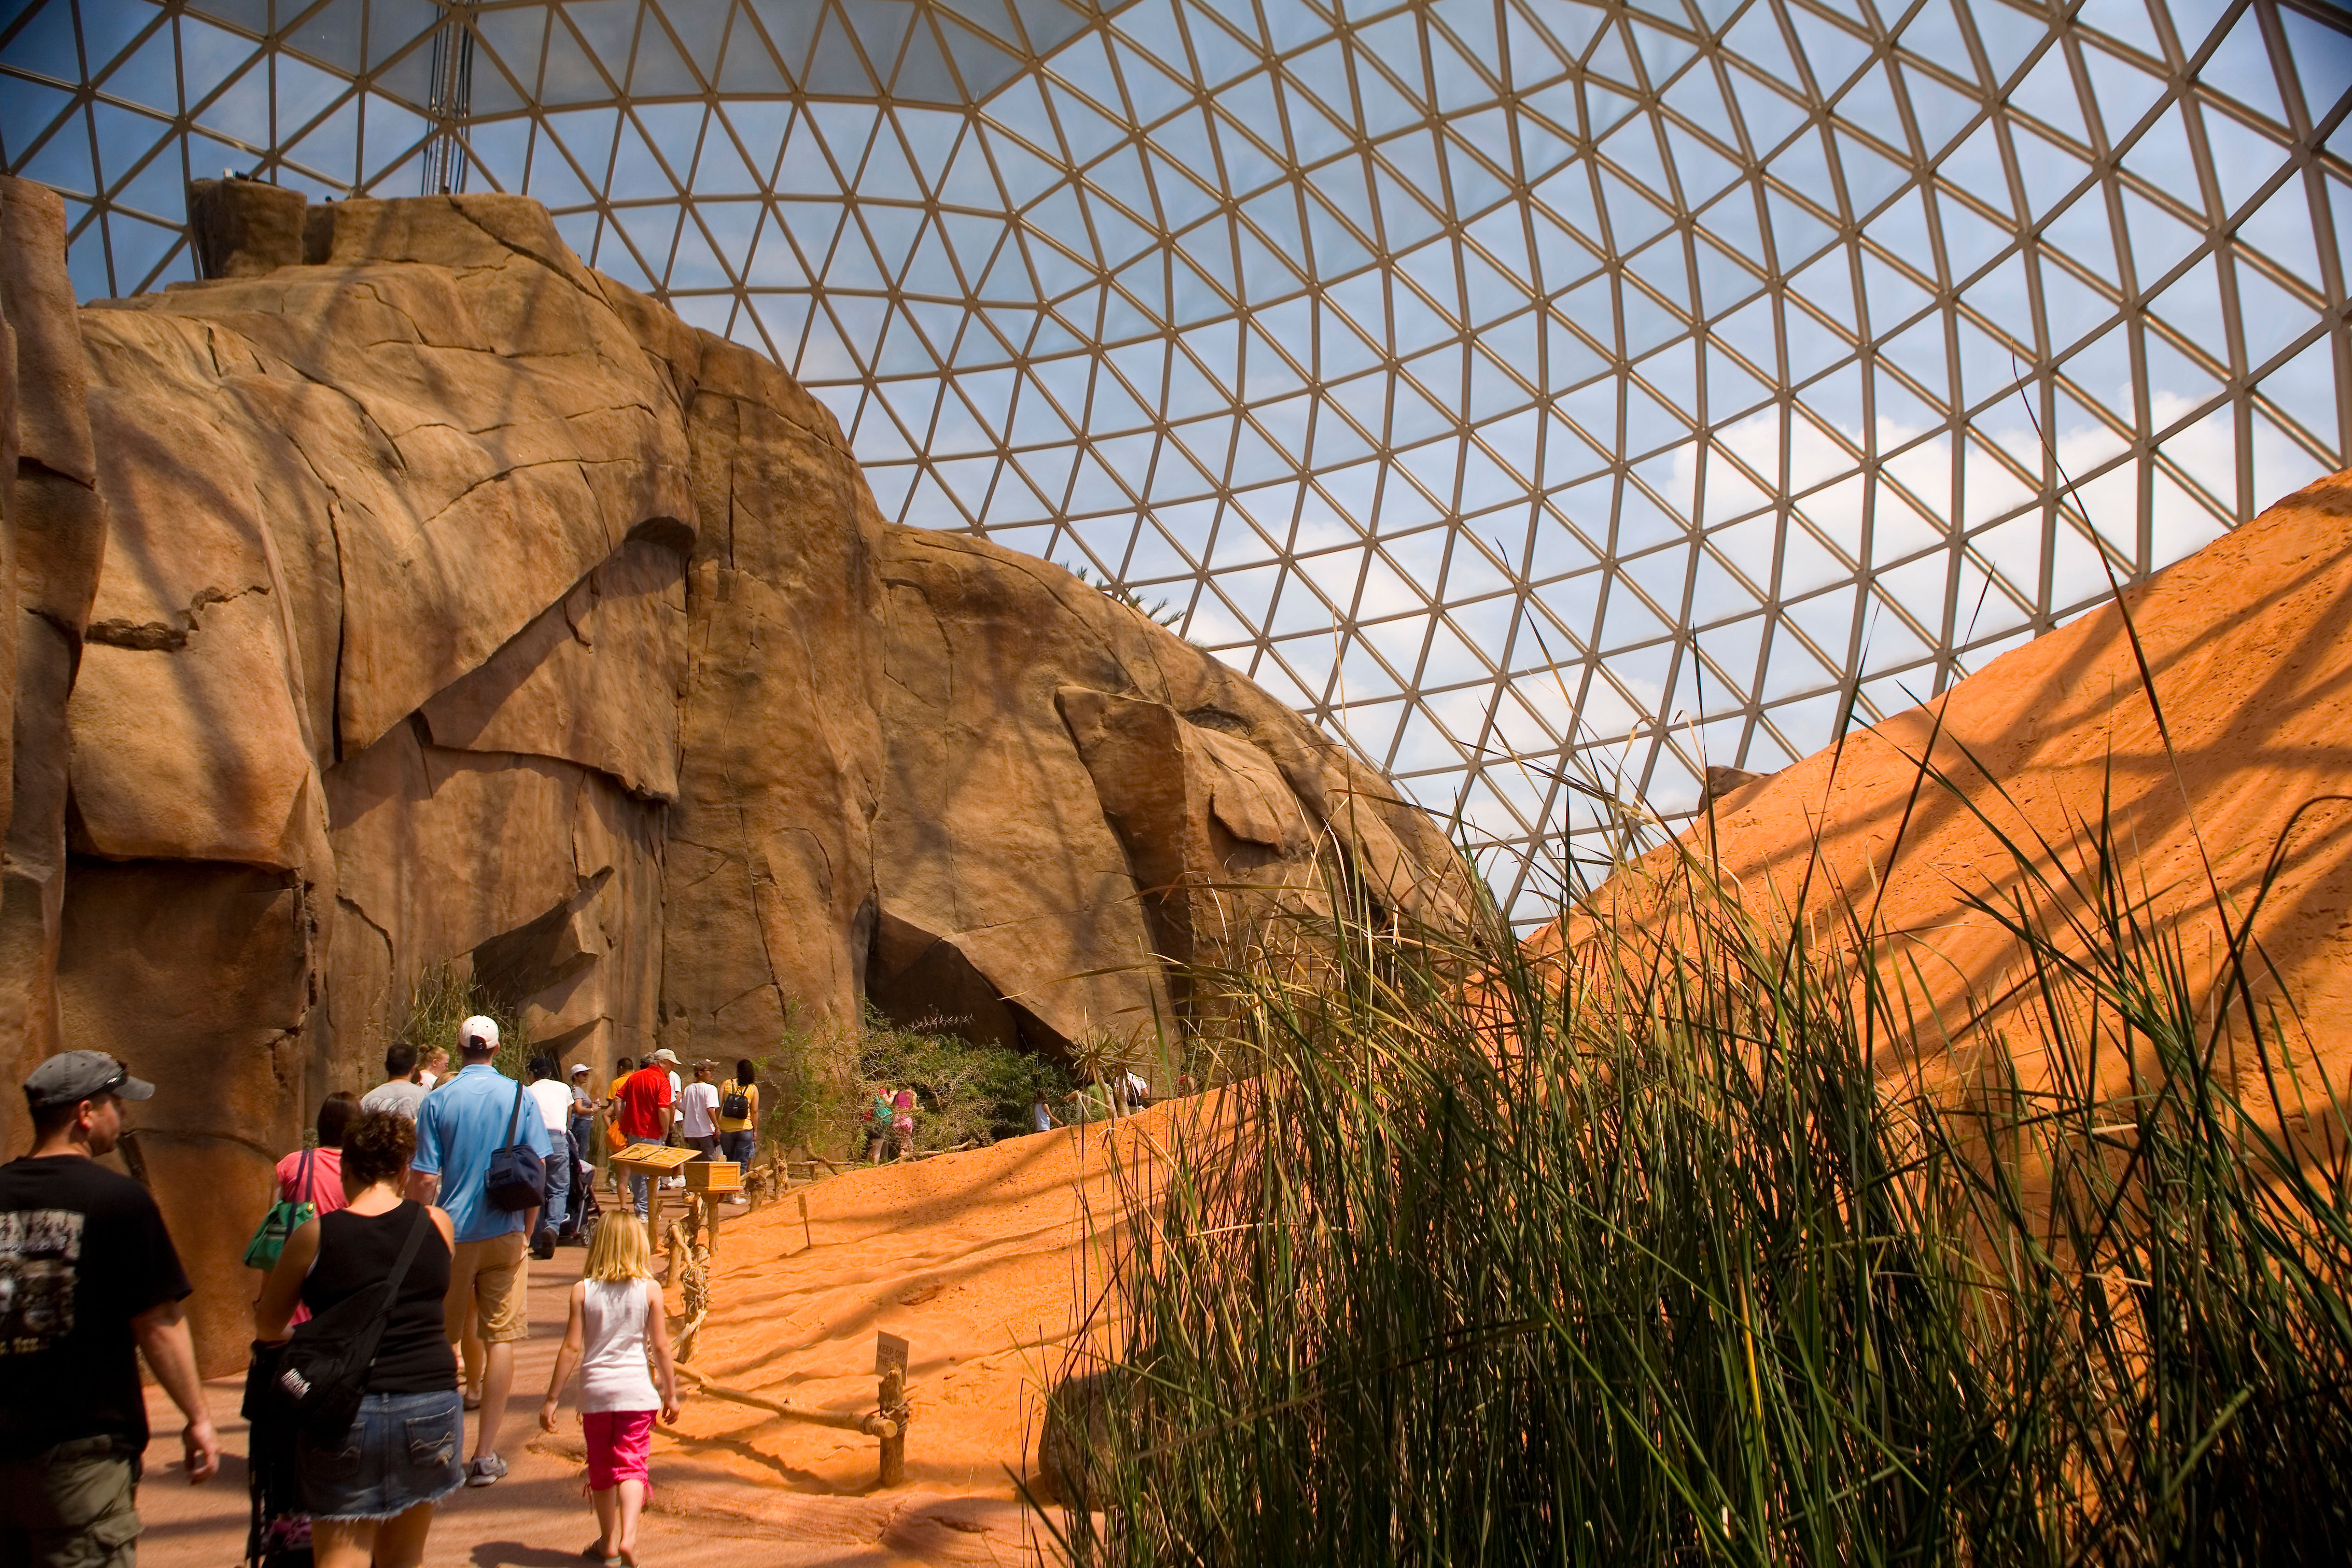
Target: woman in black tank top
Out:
[370,1489]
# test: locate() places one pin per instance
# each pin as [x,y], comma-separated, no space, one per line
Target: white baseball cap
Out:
[579,1068]
[477,1029]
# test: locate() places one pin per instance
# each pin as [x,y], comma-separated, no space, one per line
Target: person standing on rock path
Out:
[554,1102]
[646,1110]
[739,1114]
[372,1488]
[902,1121]
[616,1320]
[315,1175]
[458,1129]
[88,1282]
[402,1089]
[583,1150]
[676,1095]
[698,1113]
[610,1107]
[435,1072]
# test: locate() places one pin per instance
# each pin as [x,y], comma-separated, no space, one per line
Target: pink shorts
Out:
[620,1444]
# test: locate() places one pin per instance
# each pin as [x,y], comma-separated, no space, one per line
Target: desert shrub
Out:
[821,1075]
[1658,1255]
[966,1092]
[809,1086]
[442,999]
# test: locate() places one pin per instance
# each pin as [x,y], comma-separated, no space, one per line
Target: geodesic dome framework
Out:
[1533,391]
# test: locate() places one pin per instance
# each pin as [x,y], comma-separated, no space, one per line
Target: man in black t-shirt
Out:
[87,1273]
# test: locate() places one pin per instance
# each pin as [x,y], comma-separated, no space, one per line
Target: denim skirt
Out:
[403,1449]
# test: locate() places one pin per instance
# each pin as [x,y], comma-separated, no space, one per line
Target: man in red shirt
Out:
[646,1114]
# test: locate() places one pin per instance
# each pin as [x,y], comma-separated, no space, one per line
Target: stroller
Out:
[586,1214]
[582,1213]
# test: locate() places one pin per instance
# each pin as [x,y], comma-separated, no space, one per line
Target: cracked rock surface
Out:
[411,593]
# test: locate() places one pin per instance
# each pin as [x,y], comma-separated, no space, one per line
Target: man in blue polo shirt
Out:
[458,1127]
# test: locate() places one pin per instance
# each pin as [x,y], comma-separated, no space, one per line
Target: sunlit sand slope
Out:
[2249,642]
[982,1261]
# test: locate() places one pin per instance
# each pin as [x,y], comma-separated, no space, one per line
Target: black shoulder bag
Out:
[518,1176]
[322,1373]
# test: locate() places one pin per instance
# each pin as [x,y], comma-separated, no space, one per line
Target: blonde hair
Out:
[620,1250]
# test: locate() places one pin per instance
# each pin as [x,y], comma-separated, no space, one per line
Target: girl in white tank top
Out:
[616,1322]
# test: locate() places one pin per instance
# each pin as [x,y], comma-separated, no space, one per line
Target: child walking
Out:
[616,1318]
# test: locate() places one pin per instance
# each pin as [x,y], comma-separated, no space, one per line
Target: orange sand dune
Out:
[2249,645]
[984,1262]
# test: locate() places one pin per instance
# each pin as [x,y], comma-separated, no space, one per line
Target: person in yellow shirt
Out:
[739,1113]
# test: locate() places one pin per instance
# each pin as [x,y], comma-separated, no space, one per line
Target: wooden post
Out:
[890,1362]
[706,1217]
[807,1240]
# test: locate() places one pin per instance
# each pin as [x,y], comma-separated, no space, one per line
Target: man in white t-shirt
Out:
[553,1099]
[698,1111]
[400,1094]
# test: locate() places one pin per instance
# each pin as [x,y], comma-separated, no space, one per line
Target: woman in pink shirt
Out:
[322,1185]
[315,1176]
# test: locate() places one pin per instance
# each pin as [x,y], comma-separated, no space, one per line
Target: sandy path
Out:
[976,1259]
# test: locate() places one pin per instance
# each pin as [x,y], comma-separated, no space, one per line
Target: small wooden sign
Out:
[653,1159]
[889,1355]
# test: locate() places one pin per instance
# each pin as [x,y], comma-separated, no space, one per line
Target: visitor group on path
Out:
[398,1236]
[395,1255]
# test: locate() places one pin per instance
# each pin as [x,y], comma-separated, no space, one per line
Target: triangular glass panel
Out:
[658,70]
[2048,93]
[2159,240]
[567,73]
[982,65]
[2240,67]
[837,67]
[750,68]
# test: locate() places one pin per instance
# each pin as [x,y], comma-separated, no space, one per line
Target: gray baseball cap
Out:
[70,1077]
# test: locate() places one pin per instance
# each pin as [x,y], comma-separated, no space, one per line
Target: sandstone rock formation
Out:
[434,598]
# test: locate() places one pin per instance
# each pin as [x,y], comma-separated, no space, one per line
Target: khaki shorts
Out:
[489,1276]
[70,1506]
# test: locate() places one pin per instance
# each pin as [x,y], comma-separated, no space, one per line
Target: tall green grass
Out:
[1704,1246]
[443,997]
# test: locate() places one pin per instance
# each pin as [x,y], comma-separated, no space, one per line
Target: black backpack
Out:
[317,1379]
[518,1176]
[734,1105]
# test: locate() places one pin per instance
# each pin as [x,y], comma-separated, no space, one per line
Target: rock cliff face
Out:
[411,594]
